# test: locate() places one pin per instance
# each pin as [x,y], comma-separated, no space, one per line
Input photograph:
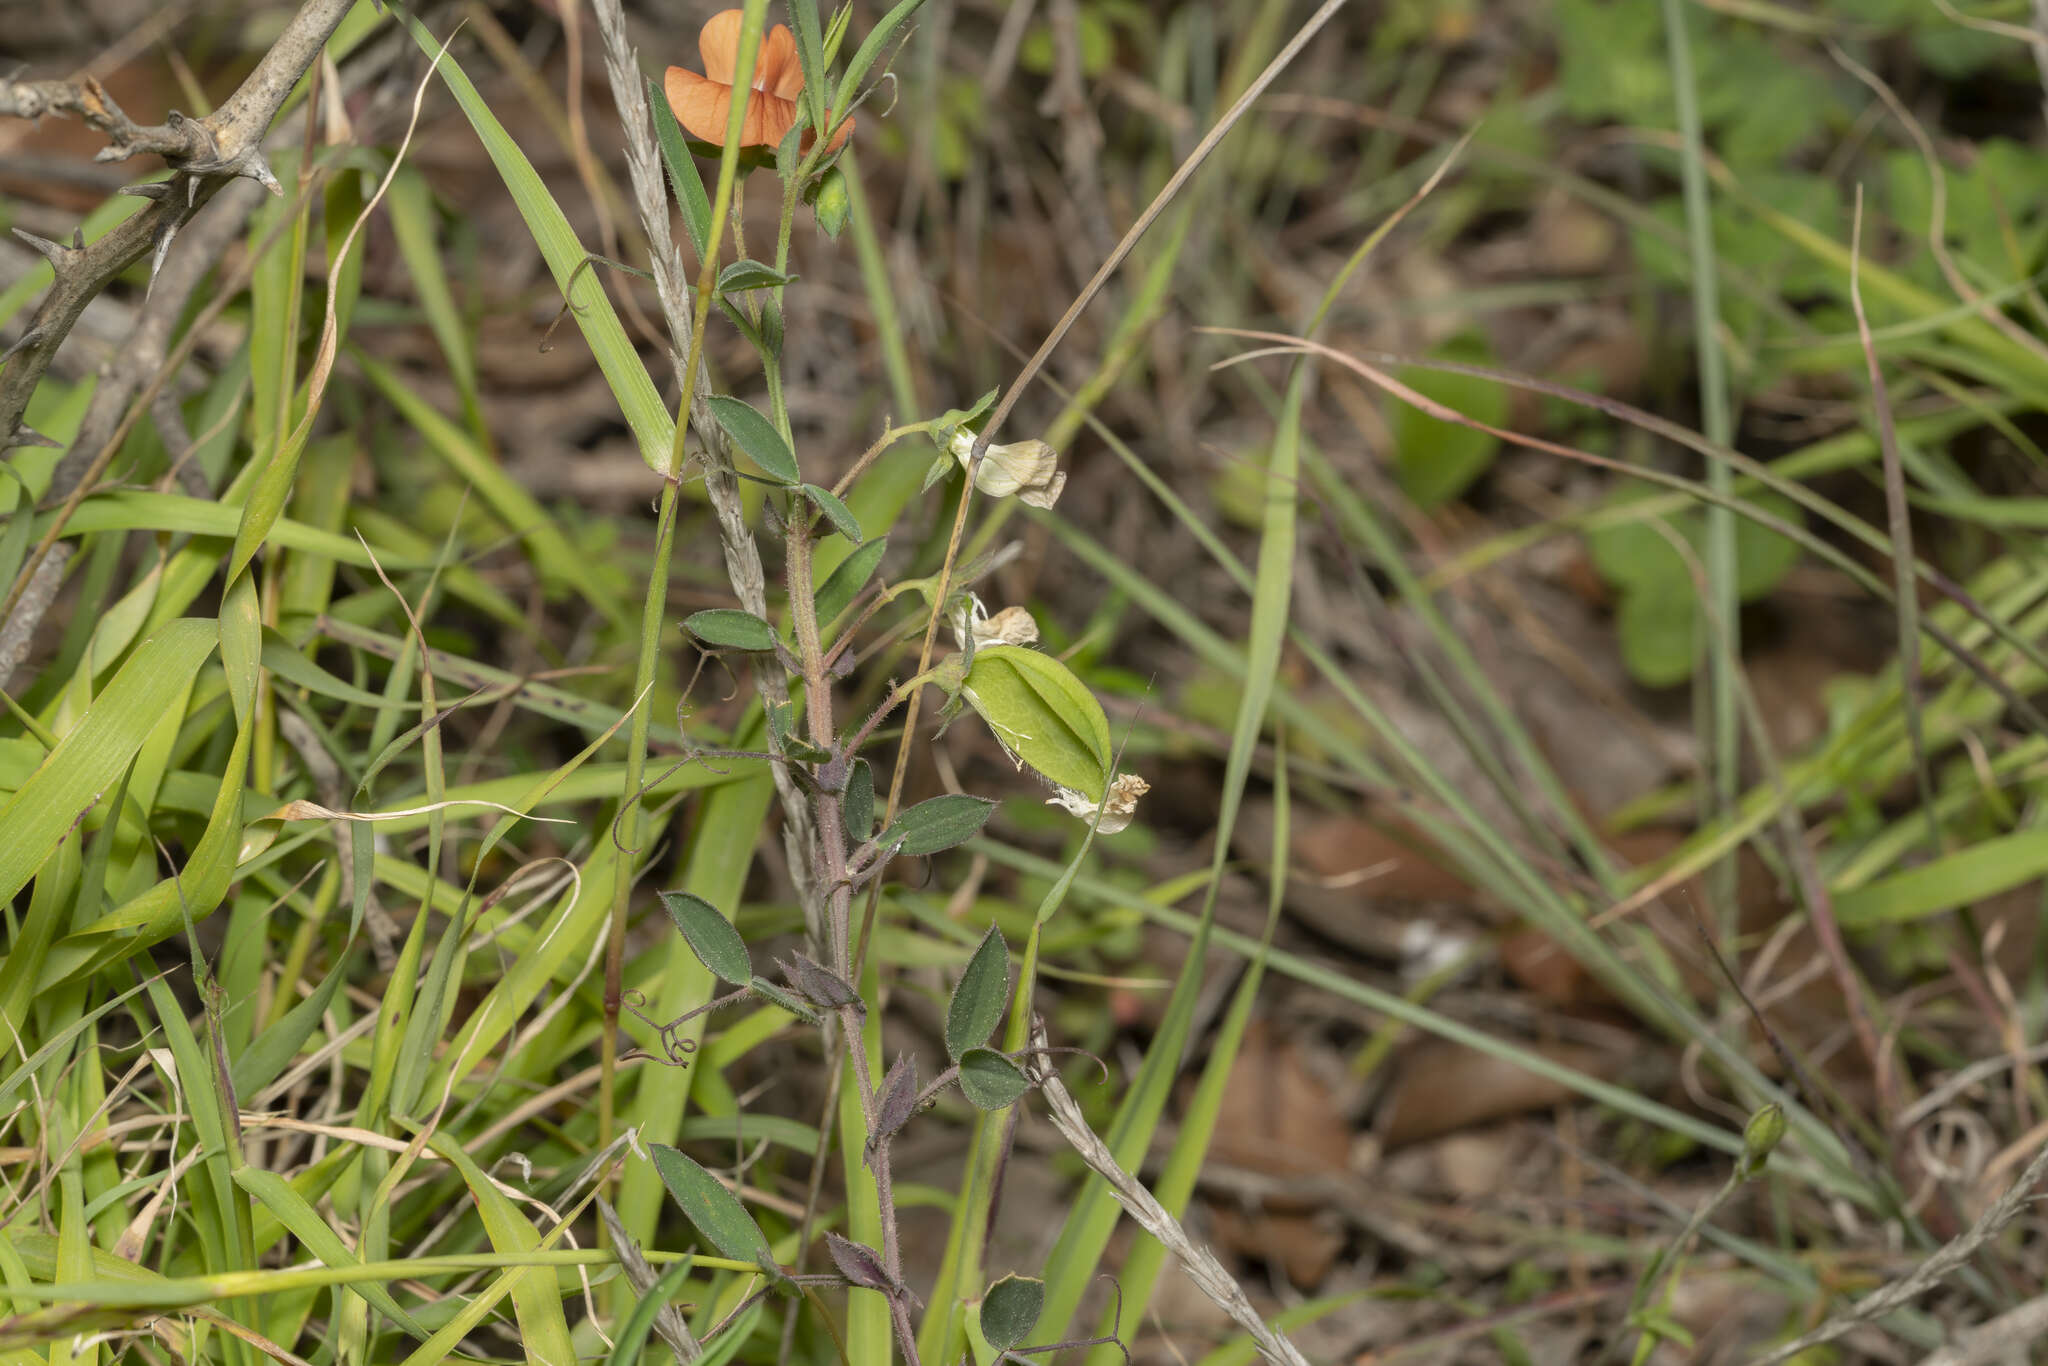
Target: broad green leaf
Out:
[1658,625]
[712,938]
[857,802]
[989,1080]
[836,512]
[715,1211]
[88,761]
[731,629]
[843,584]
[939,823]
[1010,1309]
[979,997]
[653,428]
[756,436]
[1435,460]
[742,276]
[1043,715]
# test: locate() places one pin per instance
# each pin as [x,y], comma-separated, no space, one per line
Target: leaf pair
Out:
[989,1080]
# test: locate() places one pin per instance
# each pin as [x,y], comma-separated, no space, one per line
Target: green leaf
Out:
[755,435]
[632,1337]
[1010,1309]
[682,169]
[836,512]
[789,1001]
[87,762]
[1043,715]
[744,275]
[638,399]
[810,55]
[946,425]
[939,823]
[857,802]
[843,584]
[543,1327]
[1657,622]
[1435,460]
[715,1211]
[731,629]
[979,997]
[716,943]
[989,1080]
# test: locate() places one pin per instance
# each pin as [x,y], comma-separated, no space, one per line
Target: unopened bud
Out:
[1765,1130]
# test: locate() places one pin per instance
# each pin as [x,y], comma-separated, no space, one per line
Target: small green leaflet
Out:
[757,437]
[989,1080]
[712,938]
[979,998]
[939,823]
[731,629]
[715,1211]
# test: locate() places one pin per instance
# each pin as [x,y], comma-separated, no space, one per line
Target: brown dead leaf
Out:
[1442,1088]
[1279,1118]
[1303,1245]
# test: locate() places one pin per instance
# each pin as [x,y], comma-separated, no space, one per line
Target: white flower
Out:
[1011,626]
[1029,469]
[1117,809]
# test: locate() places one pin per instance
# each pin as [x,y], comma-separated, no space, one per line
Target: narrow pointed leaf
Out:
[742,276]
[858,1264]
[836,512]
[715,1211]
[843,585]
[979,998]
[857,803]
[939,823]
[756,436]
[897,1096]
[712,938]
[731,629]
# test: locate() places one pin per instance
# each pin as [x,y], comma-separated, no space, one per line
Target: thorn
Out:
[154,189]
[27,339]
[78,239]
[191,191]
[56,251]
[159,249]
[25,435]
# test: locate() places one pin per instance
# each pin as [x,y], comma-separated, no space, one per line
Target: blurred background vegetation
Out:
[1655,737]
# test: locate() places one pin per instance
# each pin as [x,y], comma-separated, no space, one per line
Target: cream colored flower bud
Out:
[1118,808]
[1011,626]
[1029,469]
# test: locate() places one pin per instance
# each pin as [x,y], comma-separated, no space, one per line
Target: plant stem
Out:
[658,573]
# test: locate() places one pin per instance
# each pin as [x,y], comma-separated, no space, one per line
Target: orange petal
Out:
[778,70]
[768,120]
[839,135]
[701,106]
[719,44]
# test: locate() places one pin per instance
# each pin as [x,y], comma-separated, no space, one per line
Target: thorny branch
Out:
[205,154]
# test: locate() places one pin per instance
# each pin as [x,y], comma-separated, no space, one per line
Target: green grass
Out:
[280,1085]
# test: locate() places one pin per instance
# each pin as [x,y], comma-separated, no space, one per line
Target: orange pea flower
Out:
[703,103]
